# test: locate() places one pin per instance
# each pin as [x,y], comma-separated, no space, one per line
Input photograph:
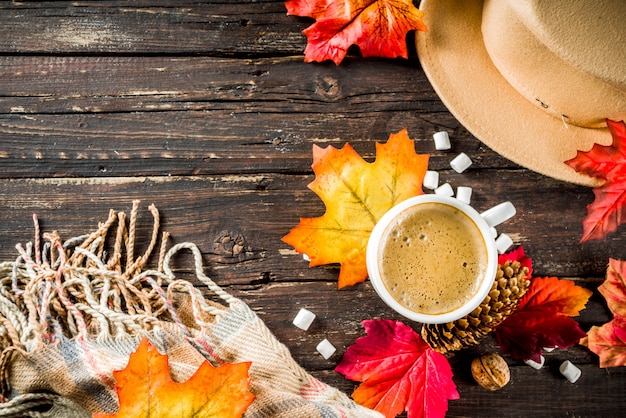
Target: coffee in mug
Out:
[427,245]
[432,258]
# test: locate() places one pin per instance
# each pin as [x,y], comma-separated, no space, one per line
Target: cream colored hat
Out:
[534,80]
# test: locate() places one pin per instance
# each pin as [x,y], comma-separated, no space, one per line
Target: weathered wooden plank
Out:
[117,116]
[69,84]
[262,208]
[205,142]
[144,27]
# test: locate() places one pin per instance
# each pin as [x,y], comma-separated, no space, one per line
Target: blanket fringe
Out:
[75,289]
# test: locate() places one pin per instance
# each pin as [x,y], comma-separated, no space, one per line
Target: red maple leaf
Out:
[543,319]
[609,340]
[606,163]
[378,27]
[399,372]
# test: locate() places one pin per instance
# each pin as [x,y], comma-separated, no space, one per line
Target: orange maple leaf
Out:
[146,390]
[356,194]
[609,340]
[377,27]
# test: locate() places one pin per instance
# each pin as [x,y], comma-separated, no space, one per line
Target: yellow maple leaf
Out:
[146,389]
[356,195]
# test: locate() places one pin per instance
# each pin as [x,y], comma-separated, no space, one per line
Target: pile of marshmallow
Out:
[460,163]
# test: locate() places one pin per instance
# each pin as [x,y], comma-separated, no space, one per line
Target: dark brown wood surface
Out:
[208,111]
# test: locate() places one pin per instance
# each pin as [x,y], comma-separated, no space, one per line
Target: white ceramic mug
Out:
[483,222]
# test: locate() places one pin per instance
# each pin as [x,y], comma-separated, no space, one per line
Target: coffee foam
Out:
[433,258]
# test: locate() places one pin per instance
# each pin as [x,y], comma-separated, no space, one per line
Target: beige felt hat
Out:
[534,80]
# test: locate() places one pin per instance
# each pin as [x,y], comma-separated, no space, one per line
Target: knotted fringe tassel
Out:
[67,289]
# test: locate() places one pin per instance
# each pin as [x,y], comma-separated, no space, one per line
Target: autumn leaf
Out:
[609,340]
[543,319]
[356,194]
[399,372]
[378,27]
[607,163]
[146,390]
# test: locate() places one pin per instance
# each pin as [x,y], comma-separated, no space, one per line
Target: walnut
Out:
[491,371]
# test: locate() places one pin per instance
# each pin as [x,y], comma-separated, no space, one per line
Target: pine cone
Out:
[508,288]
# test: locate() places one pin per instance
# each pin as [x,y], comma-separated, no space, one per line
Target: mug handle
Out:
[498,214]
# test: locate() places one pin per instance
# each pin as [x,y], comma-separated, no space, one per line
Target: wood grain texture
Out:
[144,27]
[187,116]
[207,110]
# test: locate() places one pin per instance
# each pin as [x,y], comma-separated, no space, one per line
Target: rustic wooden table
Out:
[207,110]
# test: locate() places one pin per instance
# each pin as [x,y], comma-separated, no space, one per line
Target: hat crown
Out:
[567,57]
[589,35]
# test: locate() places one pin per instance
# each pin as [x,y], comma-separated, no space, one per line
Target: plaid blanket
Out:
[72,312]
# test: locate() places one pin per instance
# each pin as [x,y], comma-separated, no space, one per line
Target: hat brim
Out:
[456,62]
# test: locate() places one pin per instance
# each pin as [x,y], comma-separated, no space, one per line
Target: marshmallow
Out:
[461,162]
[304,319]
[306,257]
[499,213]
[431,179]
[569,371]
[464,194]
[445,190]
[534,364]
[549,349]
[503,242]
[325,348]
[442,140]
